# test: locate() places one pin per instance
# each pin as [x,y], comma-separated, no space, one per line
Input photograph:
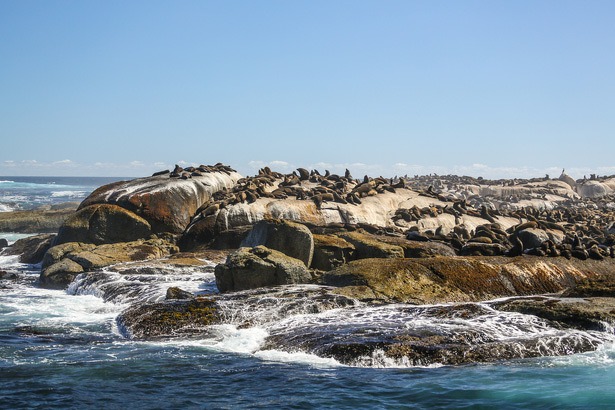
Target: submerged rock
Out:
[176,293]
[594,313]
[426,335]
[250,268]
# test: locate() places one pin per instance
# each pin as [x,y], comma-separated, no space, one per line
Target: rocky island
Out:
[450,247]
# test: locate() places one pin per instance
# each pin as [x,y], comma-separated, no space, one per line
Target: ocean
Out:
[64,349]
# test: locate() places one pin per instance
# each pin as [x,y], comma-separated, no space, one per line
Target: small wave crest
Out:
[6,208]
[68,194]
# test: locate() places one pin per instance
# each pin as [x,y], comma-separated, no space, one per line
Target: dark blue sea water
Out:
[63,349]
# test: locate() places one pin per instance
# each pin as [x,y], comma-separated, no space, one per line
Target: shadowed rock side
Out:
[250,268]
[290,238]
[31,249]
[103,223]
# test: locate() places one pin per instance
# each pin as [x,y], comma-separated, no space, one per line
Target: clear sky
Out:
[491,88]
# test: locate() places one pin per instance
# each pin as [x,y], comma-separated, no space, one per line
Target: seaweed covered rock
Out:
[291,238]
[170,318]
[250,268]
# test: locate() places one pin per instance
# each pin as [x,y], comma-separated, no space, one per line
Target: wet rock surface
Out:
[421,336]
[448,279]
[172,318]
[593,313]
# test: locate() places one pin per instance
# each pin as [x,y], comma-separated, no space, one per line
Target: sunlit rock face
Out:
[153,205]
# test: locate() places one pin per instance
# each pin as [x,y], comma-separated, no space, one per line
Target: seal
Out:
[304,174]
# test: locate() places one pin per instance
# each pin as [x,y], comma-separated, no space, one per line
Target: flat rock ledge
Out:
[460,279]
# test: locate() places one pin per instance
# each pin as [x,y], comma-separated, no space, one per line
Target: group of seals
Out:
[576,227]
[300,185]
[189,172]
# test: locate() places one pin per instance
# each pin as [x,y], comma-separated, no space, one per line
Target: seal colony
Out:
[551,218]
[357,241]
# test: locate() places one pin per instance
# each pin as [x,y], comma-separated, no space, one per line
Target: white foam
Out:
[247,341]
[9,261]
[44,307]
[296,357]
[6,208]
[604,355]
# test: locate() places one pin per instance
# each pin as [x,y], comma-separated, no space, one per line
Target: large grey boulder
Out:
[250,268]
[290,238]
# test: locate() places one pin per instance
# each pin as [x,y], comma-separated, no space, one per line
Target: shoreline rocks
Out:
[62,263]
[435,244]
[42,220]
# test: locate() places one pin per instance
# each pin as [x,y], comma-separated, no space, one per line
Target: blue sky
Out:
[491,88]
